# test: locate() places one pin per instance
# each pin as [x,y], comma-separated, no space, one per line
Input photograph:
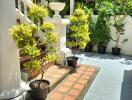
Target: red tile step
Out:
[75,85]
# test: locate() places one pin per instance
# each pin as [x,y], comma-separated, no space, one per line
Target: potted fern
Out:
[78,34]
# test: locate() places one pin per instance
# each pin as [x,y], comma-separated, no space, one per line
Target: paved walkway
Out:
[114,80]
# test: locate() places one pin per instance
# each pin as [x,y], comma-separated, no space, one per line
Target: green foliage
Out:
[38,12]
[31,50]
[50,40]
[102,30]
[47,27]
[119,26]
[23,34]
[129,8]
[33,64]
[79,30]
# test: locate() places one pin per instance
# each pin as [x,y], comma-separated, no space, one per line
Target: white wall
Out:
[126,48]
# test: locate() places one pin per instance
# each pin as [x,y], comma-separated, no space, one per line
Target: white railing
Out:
[22,11]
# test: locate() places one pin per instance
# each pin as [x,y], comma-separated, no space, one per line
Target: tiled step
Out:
[55,74]
[75,85]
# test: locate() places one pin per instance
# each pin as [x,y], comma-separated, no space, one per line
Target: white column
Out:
[72,3]
[9,55]
[60,27]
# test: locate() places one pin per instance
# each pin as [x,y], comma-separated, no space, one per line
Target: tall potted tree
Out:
[40,88]
[119,26]
[119,13]
[102,31]
[23,36]
[78,35]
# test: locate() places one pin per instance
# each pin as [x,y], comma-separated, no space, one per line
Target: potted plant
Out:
[92,22]
[78,34]
[102,31]
[119,14]
[40,88]
[23,36]
[119,26]
[37,13]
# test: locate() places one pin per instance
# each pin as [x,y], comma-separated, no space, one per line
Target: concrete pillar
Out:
[9,55]
[60,27]
[72,4]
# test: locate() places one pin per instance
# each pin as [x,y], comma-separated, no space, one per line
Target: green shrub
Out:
[79,30]
[38,12]
[102,29]
[23,34]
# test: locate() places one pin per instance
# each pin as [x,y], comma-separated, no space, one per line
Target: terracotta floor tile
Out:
[61,71]
[68,83]
[63,89]
[82,68]
[52,80]
[72,78]
[69,98]
[85,77]
[76,74]
[91,69]
[52,70]
[57,96]
[82,81]
[79,86]
[88,73]
[56,75]
[74,92]
[80,71]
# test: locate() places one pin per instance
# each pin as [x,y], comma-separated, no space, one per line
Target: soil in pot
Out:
[101,49]
[116,51]
[39,93]
[72,61]
[88,47]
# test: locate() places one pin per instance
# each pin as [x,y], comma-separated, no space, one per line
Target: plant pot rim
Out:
[70,57]
[116,48]
[30,84]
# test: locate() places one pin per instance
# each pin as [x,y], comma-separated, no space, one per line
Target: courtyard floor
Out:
[114,80]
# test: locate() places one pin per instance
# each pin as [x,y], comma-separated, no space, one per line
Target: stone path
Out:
[75,85]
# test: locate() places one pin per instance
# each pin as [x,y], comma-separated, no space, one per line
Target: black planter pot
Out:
[72,61]
[101,49]
[39,93]
[88,47]
[116,51]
